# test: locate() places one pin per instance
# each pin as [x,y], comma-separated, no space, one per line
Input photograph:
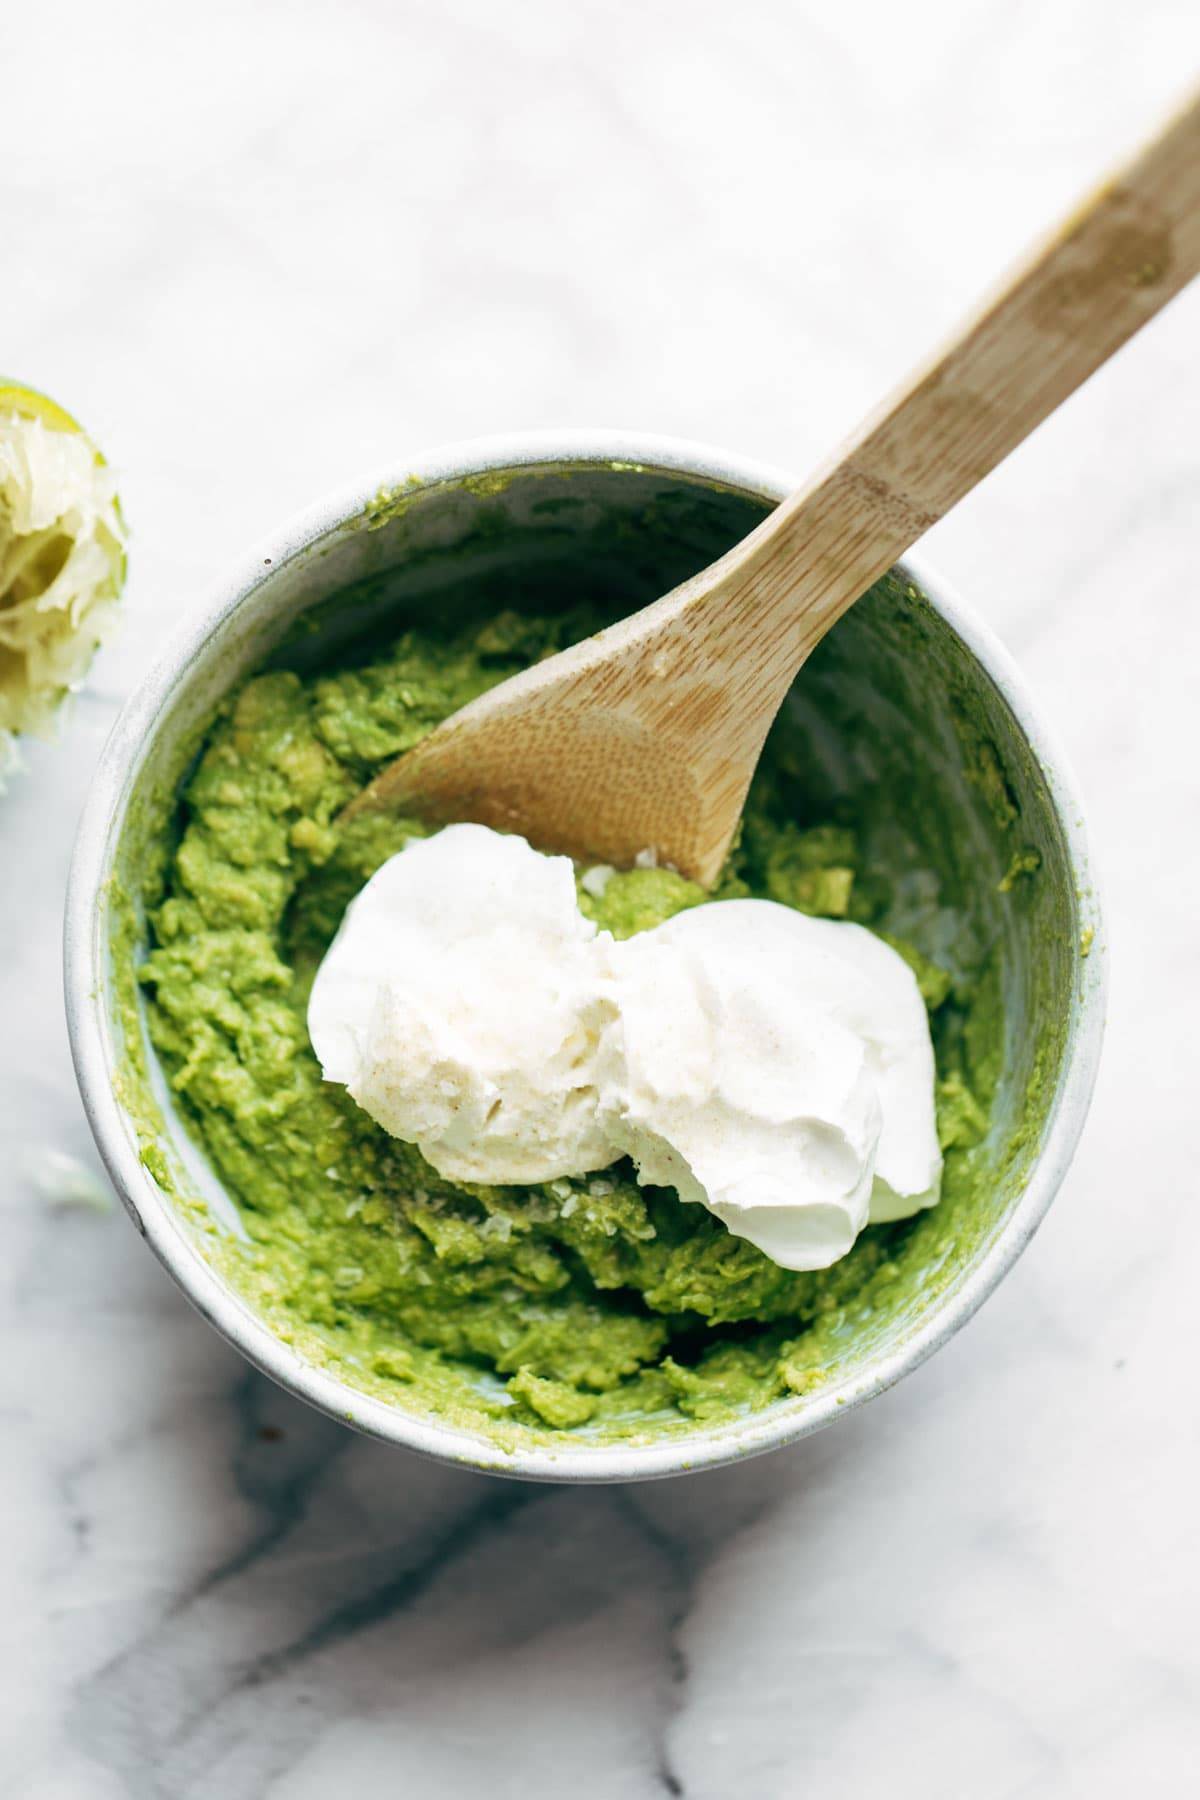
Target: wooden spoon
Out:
[643,739]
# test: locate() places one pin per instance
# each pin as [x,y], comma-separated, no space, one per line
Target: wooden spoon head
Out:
[623,747]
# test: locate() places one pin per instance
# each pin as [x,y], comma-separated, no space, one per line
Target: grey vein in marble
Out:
[261,247]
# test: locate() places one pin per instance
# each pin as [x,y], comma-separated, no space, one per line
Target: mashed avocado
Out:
[588,1304]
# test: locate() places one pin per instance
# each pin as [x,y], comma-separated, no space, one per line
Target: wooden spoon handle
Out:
[645,736]
[1075,300]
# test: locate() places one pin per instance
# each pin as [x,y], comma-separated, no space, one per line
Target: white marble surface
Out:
[258,246]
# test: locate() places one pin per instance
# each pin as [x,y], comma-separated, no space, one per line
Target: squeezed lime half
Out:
[62,560]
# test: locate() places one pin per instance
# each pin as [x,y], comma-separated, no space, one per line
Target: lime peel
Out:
[62,561]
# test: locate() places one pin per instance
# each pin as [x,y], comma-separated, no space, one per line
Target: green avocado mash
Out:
[580,1305]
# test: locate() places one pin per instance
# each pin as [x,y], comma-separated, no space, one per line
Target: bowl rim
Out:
[86,980]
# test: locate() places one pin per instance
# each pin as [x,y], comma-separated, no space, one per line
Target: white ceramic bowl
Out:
[518,504]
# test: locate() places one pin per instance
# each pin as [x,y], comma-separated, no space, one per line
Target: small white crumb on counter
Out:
[65,1181]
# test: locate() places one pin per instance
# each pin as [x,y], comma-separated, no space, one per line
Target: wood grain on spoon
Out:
[645,736]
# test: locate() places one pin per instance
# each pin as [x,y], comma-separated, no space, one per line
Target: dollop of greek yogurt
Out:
[461,1005]
[772,1067]
[778,1069]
